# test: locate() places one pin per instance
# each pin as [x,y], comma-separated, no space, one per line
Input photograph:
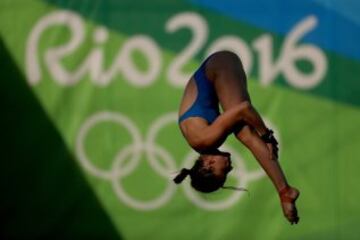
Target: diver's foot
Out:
[288,196]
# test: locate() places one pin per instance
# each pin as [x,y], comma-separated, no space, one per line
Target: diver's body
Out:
[222,80]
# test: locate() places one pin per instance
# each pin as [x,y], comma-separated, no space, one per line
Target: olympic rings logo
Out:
[131,154]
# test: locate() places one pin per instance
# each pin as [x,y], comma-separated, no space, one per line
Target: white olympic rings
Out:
[133,152]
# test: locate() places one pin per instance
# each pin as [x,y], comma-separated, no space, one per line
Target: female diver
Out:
[221,79]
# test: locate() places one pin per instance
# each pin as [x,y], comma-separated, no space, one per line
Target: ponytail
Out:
[182,175]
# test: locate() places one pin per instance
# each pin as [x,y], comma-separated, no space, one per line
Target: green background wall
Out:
[89,138]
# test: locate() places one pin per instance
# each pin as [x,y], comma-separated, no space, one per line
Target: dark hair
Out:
[202,179]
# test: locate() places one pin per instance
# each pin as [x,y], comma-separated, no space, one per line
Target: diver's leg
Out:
[228,76]
[229,79]
[261,152]
[272,167]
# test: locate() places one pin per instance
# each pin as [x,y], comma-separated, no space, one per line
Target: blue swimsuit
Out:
[206,104]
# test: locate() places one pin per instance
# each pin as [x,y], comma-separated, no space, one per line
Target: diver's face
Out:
[219,163]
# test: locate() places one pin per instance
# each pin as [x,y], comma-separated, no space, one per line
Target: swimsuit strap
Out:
[206,103]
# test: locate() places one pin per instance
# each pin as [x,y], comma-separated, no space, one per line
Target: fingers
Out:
[274,141]
[275,148]
[273,151]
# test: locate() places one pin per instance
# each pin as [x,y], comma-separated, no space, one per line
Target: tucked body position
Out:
[221,80]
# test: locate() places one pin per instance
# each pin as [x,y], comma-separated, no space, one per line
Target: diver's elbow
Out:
[204,144]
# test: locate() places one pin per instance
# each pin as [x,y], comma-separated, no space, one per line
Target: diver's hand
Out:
[273,151]
[271,143]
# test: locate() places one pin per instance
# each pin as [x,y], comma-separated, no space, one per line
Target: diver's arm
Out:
[214,135]
[251,117]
